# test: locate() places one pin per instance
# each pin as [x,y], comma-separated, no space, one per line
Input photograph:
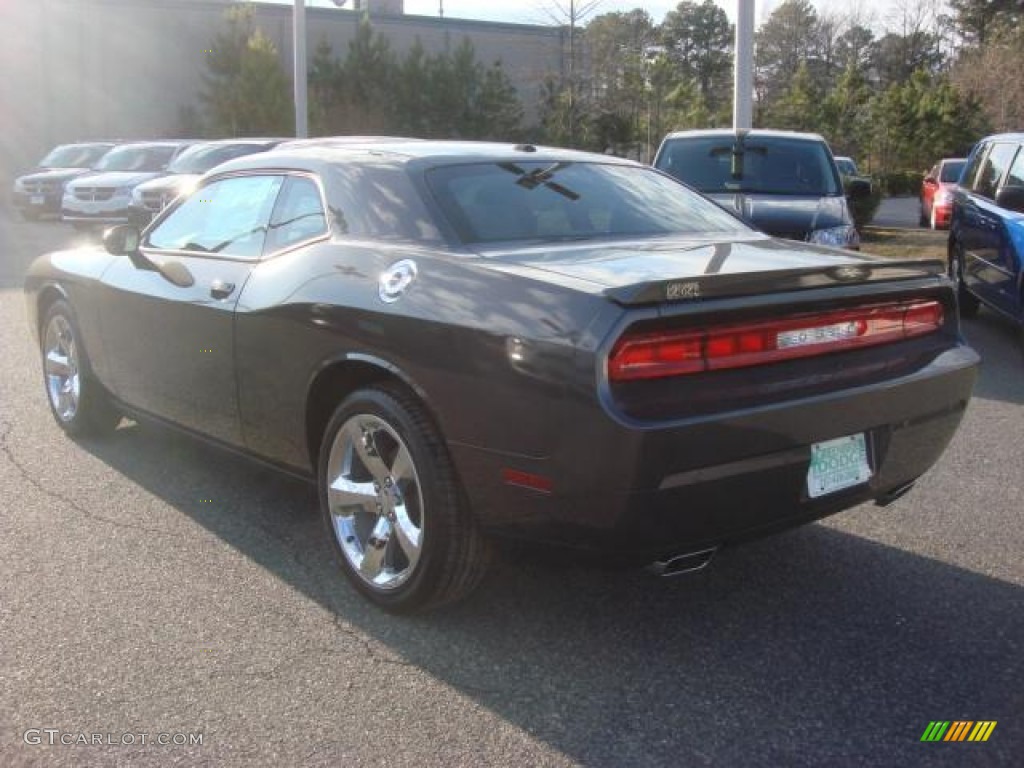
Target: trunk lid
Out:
[653,271]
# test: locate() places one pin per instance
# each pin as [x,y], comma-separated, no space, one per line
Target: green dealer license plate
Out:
[838,464]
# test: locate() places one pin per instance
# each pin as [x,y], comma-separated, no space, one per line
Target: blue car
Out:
[986,234]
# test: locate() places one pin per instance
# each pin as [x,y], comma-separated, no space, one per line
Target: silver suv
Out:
[785,184]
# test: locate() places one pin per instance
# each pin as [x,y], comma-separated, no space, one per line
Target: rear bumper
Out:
[655,492]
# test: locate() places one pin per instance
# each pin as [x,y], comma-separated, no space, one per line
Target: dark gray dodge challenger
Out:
[463,341]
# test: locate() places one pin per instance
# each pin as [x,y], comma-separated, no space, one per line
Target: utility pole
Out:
[743,82]
[299,47]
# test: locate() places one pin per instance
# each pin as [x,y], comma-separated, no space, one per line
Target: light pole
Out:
[743,82]
[299,47]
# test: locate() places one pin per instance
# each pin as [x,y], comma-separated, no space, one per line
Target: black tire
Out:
[376,501]
[969,303]
[79,404]
[922,217]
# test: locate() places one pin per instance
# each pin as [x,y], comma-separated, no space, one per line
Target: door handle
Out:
[220,289]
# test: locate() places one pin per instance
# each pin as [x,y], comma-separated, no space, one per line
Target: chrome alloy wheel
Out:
[375,501]
[60,364]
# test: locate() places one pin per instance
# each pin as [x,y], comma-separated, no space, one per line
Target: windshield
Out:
[951,170]
[846,166]
[74,156]
[147,158]
[490,202]
[203,157]
[761,164]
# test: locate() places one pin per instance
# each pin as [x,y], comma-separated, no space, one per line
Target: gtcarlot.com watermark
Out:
[55,736]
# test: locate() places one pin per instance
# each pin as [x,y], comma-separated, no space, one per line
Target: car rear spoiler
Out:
[719,286]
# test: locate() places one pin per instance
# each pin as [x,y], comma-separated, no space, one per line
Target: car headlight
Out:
[841,237]
[137,196]
[19,186]
[123,191]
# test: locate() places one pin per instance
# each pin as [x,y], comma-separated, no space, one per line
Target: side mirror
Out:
[122,240]
[858,189]
[1011,198]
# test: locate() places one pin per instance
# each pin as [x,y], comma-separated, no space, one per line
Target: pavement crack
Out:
[5,448]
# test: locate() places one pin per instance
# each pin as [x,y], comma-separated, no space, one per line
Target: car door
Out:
[982,228]
[172,342]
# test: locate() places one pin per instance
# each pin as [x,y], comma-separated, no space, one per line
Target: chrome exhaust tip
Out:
[888,498]
[690,562]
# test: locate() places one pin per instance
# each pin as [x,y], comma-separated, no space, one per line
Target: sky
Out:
[533,11]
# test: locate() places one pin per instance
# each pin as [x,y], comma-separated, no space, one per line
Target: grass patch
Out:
[902,243]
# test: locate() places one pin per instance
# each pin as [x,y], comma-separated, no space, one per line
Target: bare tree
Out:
[570,14]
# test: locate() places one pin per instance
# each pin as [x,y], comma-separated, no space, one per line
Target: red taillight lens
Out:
[654,355]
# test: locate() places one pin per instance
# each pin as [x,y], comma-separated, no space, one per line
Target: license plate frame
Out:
[37,200]
[838,464]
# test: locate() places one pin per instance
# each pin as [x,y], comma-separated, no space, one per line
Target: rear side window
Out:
[503,201]
[1016,175]
[378,201]
[995,165]
[760,164]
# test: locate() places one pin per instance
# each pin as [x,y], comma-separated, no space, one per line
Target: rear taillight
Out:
[672,353]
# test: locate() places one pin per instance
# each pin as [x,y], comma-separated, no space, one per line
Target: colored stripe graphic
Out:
[958,730]
[982,730]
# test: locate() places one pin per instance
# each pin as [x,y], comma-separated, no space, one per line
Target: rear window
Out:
[502,201]
[951,170]
[766,165]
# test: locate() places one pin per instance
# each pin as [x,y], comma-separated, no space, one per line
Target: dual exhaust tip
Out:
[691,562]
[677,565]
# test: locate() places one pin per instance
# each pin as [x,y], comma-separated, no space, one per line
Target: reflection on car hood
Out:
[621,263]
[176,182]
[54,175]
[789,216]
[114,179]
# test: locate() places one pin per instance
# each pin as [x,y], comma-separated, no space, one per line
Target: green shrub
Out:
[863,209]
[901,183]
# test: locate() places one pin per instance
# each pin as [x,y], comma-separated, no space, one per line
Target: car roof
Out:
[240,140]
[318,156]
[1013,136]
[156,143]
[756,133]
[87,144]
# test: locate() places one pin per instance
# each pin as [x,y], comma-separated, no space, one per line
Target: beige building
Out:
[97,69]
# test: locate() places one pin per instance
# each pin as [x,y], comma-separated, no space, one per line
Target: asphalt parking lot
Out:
[152,585]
